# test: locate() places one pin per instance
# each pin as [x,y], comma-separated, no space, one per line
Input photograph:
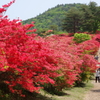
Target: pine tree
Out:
[73,20]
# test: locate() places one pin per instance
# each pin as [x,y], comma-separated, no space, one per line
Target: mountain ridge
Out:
[52,17]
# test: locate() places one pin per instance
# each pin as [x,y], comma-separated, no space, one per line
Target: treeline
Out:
[84,19]
[52,18]
[68,17]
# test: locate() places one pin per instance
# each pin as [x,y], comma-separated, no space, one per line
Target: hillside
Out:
[52,17]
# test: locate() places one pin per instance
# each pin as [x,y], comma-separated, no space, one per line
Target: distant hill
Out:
[52,17]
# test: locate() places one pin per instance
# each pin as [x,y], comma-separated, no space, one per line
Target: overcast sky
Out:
[25,9]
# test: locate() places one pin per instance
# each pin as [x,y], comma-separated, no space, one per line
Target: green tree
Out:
[84,18]
[73,20]
[91,17]
[53,27]
[52,16]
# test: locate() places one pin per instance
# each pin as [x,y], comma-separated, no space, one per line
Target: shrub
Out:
[25,62]
[72,60]
[81,37]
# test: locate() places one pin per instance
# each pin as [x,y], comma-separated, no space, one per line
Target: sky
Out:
[25,9]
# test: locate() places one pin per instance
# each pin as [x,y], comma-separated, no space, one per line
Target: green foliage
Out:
[82,19]
[91,17]
[69,17]
[81,37]
[73,19]
[52,18]
[60,32]
[41,30]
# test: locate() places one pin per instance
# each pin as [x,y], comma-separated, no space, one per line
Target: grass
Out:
[75,93]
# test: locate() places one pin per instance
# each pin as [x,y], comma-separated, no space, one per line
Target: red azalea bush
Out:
[72,61]
[69,63]
[87,49]
[24,61]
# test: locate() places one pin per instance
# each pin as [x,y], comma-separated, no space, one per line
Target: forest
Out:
[72,18]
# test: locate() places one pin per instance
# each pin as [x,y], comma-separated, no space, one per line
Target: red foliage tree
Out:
[24,61]
[72,61]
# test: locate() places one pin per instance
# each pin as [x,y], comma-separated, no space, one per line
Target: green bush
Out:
[81,37]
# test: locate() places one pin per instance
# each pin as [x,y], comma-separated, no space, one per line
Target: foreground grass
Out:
[75,93]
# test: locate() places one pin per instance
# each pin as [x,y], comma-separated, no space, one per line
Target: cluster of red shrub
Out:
[29,61]
[76,61]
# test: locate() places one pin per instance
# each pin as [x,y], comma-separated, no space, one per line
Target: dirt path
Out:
[94,93]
